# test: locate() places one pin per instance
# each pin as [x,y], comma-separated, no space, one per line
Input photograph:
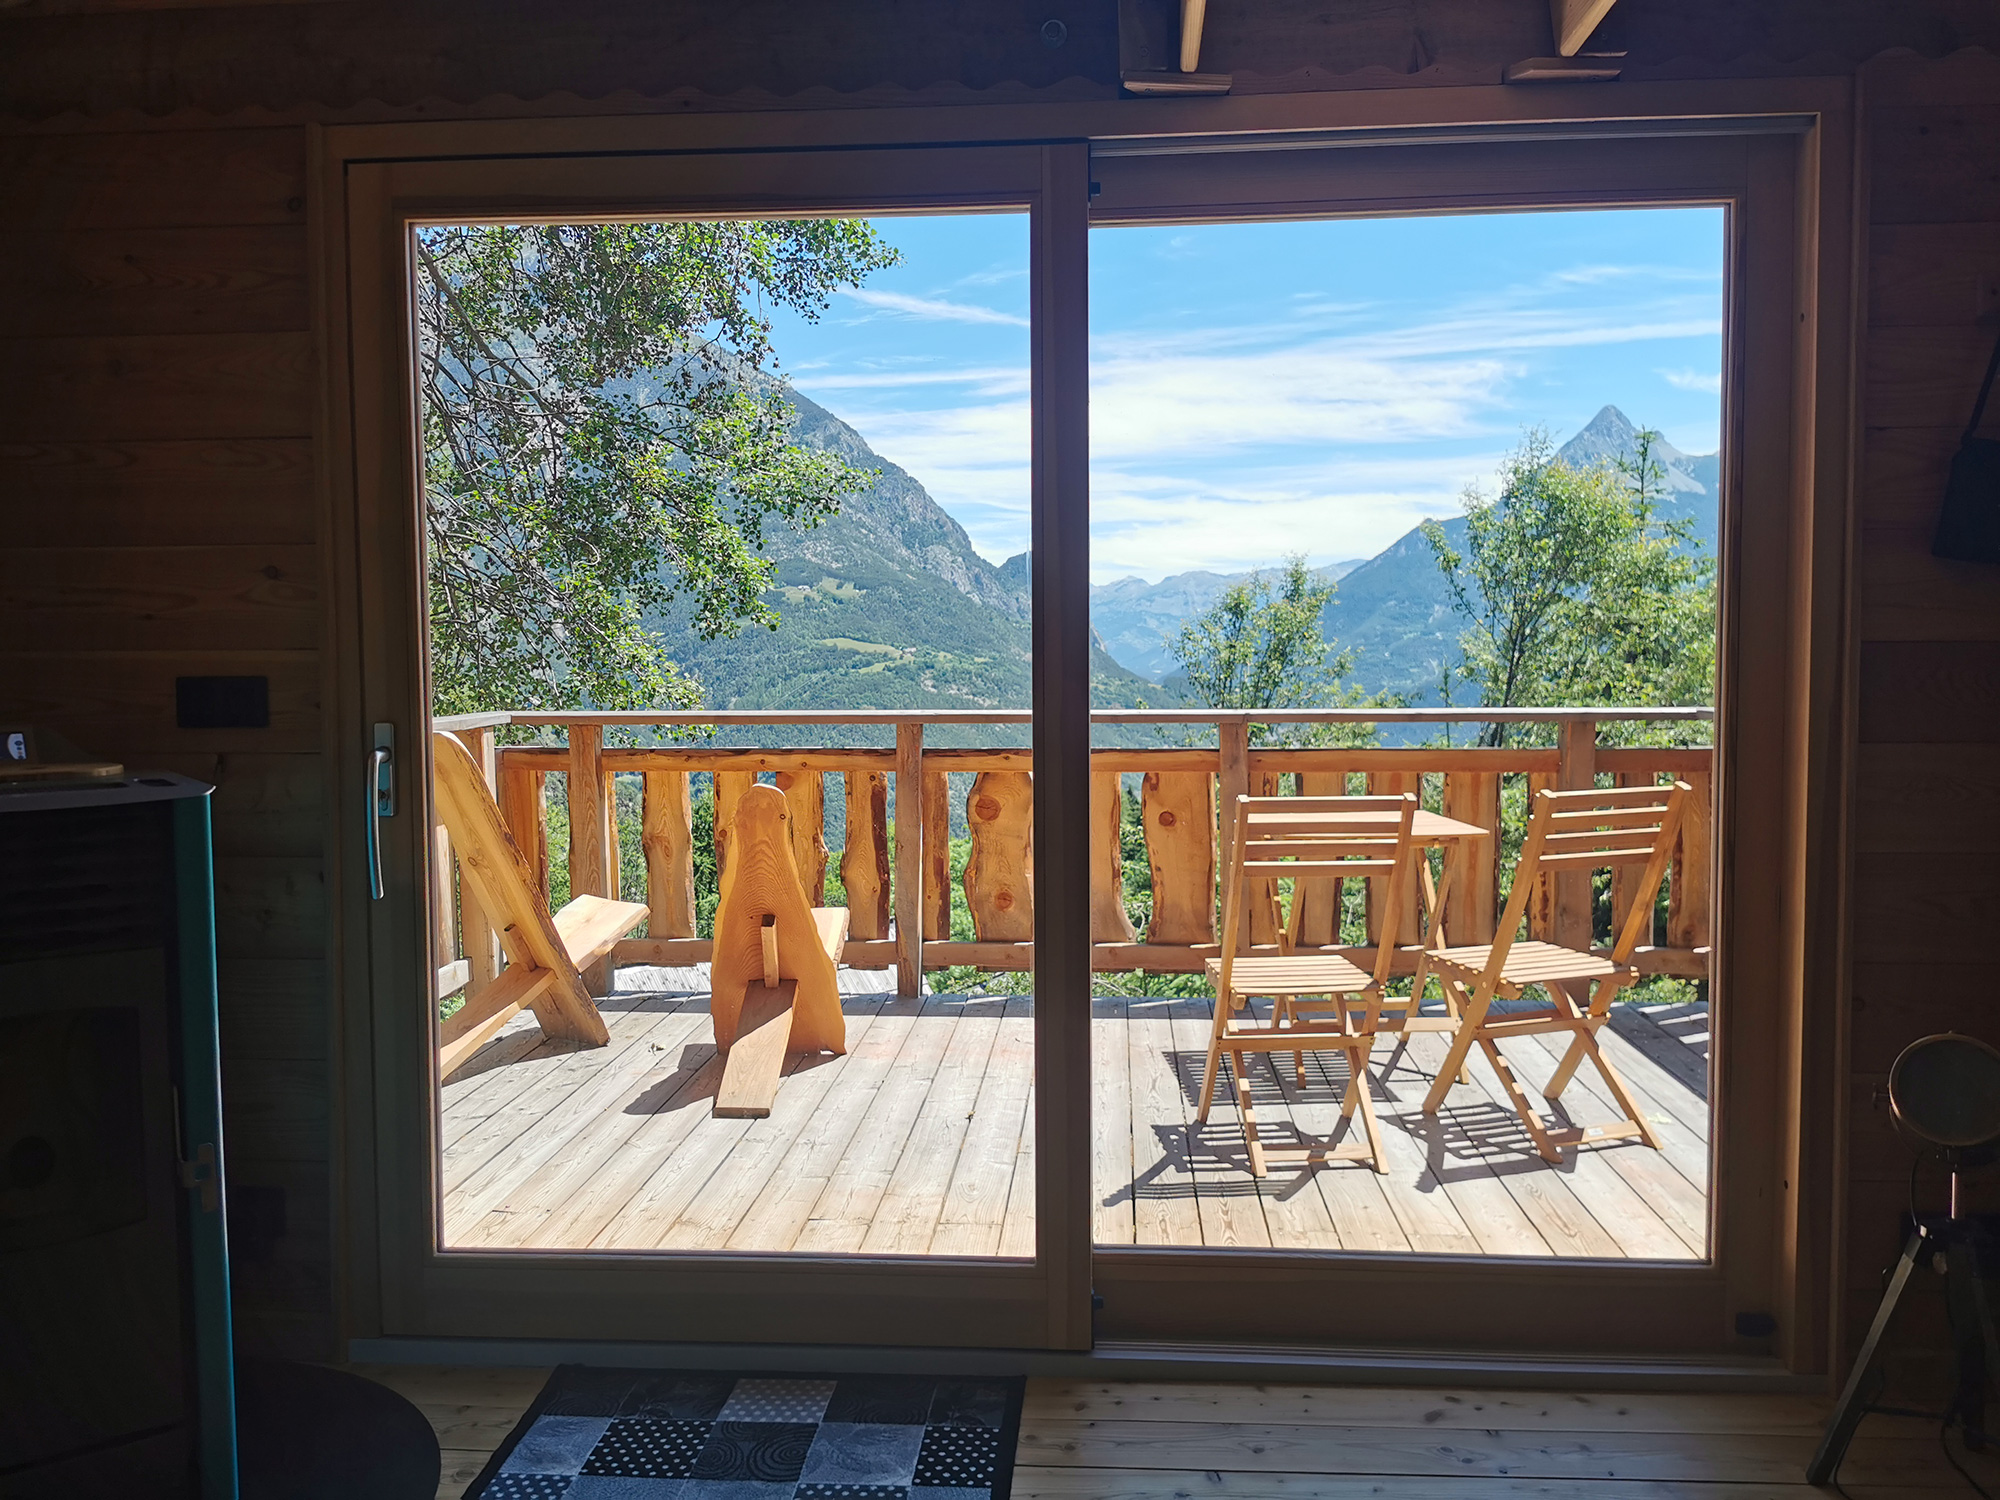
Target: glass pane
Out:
[1404,509]
[728,554]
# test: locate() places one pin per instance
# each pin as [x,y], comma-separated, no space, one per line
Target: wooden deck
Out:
[917,1141]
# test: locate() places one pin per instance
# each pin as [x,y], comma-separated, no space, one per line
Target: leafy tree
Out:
[1574,590]
[1261,645]
[604,436]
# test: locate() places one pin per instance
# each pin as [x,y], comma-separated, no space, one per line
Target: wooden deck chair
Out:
[1579,832]
[1303,839]
[773,979]
[544,953]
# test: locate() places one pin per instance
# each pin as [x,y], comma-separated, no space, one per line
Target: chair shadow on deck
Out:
[1469,1139]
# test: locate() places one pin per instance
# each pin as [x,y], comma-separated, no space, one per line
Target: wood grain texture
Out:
[232,492]
[215,598]
[1930,692]
[864,859]
[1915,900]
[805,798]
[729,787]
[1934,163]
[1000,872]
[762,879]
[1179,812]
[120,704]
[1109,921]
[1935,275]
[155,178]
[239,279]
[916,1140]
[1911,799]
[1924,377]
[1474,901]
[935,884]
[667,836]
[187,385]
[1905,594]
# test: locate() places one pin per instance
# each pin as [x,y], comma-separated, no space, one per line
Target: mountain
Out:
[1136,620]
[885,605]
[1395,612]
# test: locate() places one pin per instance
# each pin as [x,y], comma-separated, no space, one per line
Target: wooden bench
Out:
[545,954]
[774,976]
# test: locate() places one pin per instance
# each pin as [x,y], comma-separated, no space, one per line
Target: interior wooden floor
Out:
[917,1141]
[1090,1440]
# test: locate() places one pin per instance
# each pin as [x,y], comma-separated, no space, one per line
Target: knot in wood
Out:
[1004,900]
[986,809]
[1167,819]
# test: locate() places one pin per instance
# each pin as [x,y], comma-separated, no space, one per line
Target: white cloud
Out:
[1694,380]
[934,309]
[996,380]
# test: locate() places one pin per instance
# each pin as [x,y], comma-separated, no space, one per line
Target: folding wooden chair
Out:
[1575,832]
[1303,839]
[545,953]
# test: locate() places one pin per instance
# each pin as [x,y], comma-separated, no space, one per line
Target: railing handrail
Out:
[894,716]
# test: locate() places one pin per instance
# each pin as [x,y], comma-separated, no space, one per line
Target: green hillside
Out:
[885,606]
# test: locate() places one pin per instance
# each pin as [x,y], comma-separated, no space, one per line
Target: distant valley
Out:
[888,605]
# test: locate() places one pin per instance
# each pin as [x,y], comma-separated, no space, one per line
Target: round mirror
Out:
[1945,1091]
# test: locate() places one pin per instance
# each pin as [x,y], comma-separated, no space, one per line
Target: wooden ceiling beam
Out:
[1574,20]
[1193,13]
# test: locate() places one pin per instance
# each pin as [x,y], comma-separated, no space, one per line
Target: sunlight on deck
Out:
[918,1141]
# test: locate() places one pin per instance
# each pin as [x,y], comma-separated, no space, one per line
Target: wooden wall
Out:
[157,390]
[1926,891]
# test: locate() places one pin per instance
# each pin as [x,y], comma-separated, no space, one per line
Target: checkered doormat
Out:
[674,1435]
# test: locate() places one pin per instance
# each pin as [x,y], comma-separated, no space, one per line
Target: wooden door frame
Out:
[1799,717]
[1778,784]
[398,1281]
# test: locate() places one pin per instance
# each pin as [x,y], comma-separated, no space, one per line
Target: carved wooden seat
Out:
[773,977]
[544,952]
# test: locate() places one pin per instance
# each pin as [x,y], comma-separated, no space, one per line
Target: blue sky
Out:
[1260,389]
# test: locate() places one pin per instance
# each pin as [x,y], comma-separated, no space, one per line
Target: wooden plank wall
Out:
[1926,891]
[156,400]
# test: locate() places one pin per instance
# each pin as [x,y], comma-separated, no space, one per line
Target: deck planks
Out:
[920,1141]
[1084,1439]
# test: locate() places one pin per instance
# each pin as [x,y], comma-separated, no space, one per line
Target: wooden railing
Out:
[895,861]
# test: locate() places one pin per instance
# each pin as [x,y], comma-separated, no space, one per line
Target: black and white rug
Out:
[596,1434]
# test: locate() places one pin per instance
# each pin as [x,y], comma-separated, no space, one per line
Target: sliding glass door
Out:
[717,601]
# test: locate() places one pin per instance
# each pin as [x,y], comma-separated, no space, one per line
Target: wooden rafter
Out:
[1574,21]
[1193,13]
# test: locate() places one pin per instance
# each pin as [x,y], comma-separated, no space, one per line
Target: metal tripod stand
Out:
[1949,1247]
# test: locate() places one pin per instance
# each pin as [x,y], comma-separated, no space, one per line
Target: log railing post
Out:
[1232,781]
[909,859]
[523,792]
[1471,906]
[1109,921]
[864,856]
[589,832]
[1576,771]
[935,840]
[481,940]
[1688,897]
[666,834]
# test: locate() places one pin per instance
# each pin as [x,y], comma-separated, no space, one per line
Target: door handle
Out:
[380,795]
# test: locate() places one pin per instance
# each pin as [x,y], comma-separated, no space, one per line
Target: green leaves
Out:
[1576,593]
[605,437]
[1261,646]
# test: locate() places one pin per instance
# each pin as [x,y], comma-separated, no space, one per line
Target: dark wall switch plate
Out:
[222,702]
